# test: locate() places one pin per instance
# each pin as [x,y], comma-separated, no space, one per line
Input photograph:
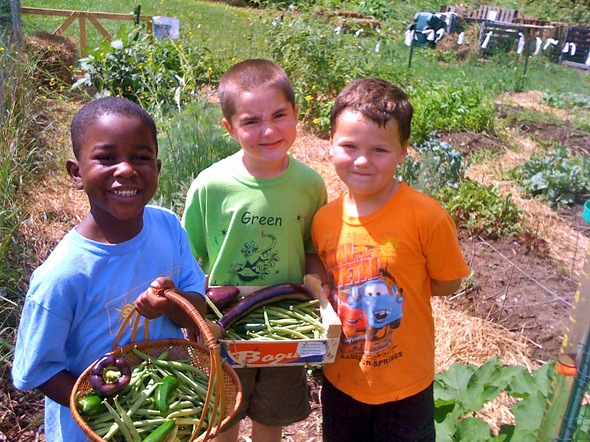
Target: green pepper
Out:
[90,405]
[164,391]
[160,433]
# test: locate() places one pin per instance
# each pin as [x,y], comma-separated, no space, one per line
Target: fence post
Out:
[577,346]
[10,27]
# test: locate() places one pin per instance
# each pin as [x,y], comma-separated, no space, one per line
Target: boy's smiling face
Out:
[118,169]
[265,126]
[366,158]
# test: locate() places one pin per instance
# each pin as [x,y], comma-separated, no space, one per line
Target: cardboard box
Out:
[256,353]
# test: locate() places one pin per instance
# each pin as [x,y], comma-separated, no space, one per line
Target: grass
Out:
[244,33]
[20,153]
[200,23]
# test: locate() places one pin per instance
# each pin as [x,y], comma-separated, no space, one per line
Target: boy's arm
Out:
[59,387]
[444,288]
[314,266]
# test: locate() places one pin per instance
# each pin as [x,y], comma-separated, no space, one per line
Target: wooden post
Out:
[91,16]
[82,21]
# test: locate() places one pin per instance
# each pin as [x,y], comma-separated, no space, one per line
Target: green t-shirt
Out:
[250,231]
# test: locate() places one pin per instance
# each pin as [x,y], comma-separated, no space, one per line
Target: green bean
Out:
[120,425]
[193,411]
[126,420]
[213,308]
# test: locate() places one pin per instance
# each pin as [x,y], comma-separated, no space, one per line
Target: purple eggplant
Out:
[264,296]
[223,296]
[110,375]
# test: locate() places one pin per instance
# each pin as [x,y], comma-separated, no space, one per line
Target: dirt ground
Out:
[525,285]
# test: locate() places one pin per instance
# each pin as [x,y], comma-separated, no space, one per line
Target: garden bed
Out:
[516,306]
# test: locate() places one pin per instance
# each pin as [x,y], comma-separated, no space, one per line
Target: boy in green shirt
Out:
[249,217]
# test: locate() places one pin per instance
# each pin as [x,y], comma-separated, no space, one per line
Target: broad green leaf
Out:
[472,429]
[445,422]
[543,377]
[483,385]
[528,414]
[522,383]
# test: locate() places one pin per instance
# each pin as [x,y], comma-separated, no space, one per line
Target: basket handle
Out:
[184,304]
[197,318]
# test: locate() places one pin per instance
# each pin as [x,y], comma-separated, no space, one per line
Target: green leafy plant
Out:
[449,107]
[566,100]
[320,61]
[482,210]
[436,164]
[153,73]
[21,154]
[557,177]
[463,390]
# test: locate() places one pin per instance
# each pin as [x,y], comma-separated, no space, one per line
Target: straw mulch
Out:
[565,244]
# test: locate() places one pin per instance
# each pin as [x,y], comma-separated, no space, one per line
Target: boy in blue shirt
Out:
[120,256]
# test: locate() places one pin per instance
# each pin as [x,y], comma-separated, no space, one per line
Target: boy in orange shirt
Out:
[388,249]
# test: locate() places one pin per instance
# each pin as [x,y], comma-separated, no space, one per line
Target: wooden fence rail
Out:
[82,16]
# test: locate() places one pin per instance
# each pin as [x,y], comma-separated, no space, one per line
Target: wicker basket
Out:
[227,394]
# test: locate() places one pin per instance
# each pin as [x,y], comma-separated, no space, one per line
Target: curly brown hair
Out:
[378,100]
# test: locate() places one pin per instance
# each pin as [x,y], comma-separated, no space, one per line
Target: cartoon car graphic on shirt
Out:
[353,320]
[381,303]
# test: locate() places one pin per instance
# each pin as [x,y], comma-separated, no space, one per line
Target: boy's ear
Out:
[404,152]
[229,127]
[74,172]
[331,150]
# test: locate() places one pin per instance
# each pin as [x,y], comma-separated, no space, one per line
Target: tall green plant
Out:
[189,141]
[19,110]
[320,60]
[449,107]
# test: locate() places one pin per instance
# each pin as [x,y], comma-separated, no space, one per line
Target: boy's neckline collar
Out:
[263,176]
[367,208]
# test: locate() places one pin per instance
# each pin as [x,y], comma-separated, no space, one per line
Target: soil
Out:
[525,284]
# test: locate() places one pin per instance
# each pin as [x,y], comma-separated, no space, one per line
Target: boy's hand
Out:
[215,329]
[150,303]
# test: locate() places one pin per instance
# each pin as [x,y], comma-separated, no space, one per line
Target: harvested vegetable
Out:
[110,375]
[161,432]
[279,321]
[161,395]
[223,296]
[262,297]
[90,405]
[164,391]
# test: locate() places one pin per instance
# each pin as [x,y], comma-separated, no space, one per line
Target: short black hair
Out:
[92,111]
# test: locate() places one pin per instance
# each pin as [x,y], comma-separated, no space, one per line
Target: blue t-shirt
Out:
[79,296]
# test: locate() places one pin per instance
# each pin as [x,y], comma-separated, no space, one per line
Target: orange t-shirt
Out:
[381,266]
